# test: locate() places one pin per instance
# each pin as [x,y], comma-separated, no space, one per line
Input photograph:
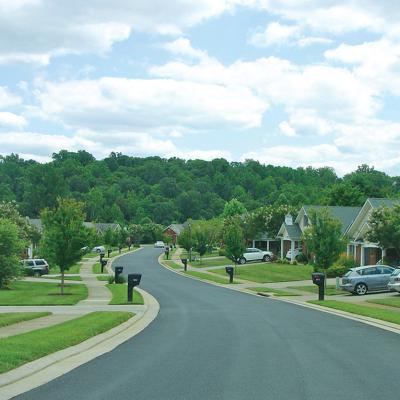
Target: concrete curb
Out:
[45,369]
[388,326]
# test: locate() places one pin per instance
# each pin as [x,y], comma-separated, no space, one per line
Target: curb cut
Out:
[43,370]
[388,326]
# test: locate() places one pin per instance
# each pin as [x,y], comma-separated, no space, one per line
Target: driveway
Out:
[211,343]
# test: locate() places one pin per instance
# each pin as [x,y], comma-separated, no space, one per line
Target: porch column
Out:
[291,251]
[254,243]
[362,258]
[383,255]
[267,245]
[282,247]
[348,250]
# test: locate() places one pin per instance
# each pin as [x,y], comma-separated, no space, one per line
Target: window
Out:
[40,262]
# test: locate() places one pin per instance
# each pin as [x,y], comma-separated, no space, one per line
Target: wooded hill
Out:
[129,189]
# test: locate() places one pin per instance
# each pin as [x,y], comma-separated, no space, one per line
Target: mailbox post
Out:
[184,262]
[319,280]
[109,251]
[133,280]
[103,263]
[118,272]
[166,252]
[229,271]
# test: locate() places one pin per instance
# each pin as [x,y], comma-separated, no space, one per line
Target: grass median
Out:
[366,311]
[270,272]
[13,318]
[41,293]
[174,264]
[209,277]
[20,349]
[389,301]
[330,290]
[120,294]
[275,292]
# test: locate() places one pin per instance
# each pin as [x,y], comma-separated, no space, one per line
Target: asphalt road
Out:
[212,343]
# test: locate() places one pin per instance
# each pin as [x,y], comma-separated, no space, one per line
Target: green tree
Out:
[11,247]
[323,238]
[186,240]
[345,194]
[234,239]
[385,228]
[232,208]
[136,233]
[63,234]
[201,238]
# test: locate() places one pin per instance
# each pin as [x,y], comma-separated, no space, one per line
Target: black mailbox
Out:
[319,279]
[102,254]
[166,252]
[109,251]
[133,280]
[118,272]
[229,270]
[103,263]
[184,262]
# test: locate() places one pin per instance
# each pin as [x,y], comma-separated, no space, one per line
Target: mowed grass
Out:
[209,277]
[271,272]
[41,293]
[20,349]
[75,269]
[12,318]
[174,264]
[276,292]
[216,262]
[96,269]
[389,301]
[120,294]
[366,311]
[330,290]
[104,278]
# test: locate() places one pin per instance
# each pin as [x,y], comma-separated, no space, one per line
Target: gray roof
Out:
[293,231]
[99,226]
[346,215]
[383,202]
[36,222]
[177,228]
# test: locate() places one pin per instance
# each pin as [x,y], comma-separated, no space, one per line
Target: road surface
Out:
[211,343]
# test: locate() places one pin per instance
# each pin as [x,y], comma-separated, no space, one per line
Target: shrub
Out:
[302,258]
[121,279]
[336,270]
[111,278]
[221,252]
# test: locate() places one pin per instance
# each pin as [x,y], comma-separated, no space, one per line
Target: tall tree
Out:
[232,208]
[323,238]
[11,246]
[63,234]
[234,239]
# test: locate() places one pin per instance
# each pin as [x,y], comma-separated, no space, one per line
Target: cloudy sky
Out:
[286,82]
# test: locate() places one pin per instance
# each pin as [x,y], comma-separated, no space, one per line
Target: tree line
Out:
[129,190]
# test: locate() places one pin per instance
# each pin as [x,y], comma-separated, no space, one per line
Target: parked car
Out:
[394,281]
[361,280]
[296,253]
[159,244]
[35,266]
[254,254]
[98,249]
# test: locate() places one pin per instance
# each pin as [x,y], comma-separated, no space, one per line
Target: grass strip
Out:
[120,295]
[66,277]
[75,269]
[366,311]
[12,318]
[330,290]
[276,292]
[390,301]
[104,278]
[270,272]
[209,277]
[20,349]
[174,264]
[41,293]
[211,263]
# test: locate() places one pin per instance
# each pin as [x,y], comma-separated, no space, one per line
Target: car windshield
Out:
[396,272]
[348,273]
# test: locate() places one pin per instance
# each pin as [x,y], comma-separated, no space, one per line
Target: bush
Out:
[341,267]
[111,278]
[302,258]
[221,252]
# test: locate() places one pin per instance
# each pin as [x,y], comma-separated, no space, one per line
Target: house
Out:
[174,230]
[265,242]
[291,231]
[363,251]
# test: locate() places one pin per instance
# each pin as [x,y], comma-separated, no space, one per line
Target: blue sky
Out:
[297,83]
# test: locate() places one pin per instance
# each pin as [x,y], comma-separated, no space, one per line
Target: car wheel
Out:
[266,258]
[361,289]
[242,260]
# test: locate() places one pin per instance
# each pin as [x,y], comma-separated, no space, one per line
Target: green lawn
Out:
[66,277]
[271,272]
[20,349]
[378,313]
[97,269]
[41,293]
[120,294]
[330,290]
[208,277]
[276,292]
[104,278]
[174,264]
[389,301]
[75,269]
[12,318]
[211,263]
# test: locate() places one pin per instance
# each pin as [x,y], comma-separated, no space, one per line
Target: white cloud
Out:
[8,99]
[10,119]
[274,34]
[286,129]
[118,103]
[182,46]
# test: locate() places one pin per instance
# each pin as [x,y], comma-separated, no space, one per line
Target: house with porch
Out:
[174,230]
[363,251]
[265,242]
[291,231]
